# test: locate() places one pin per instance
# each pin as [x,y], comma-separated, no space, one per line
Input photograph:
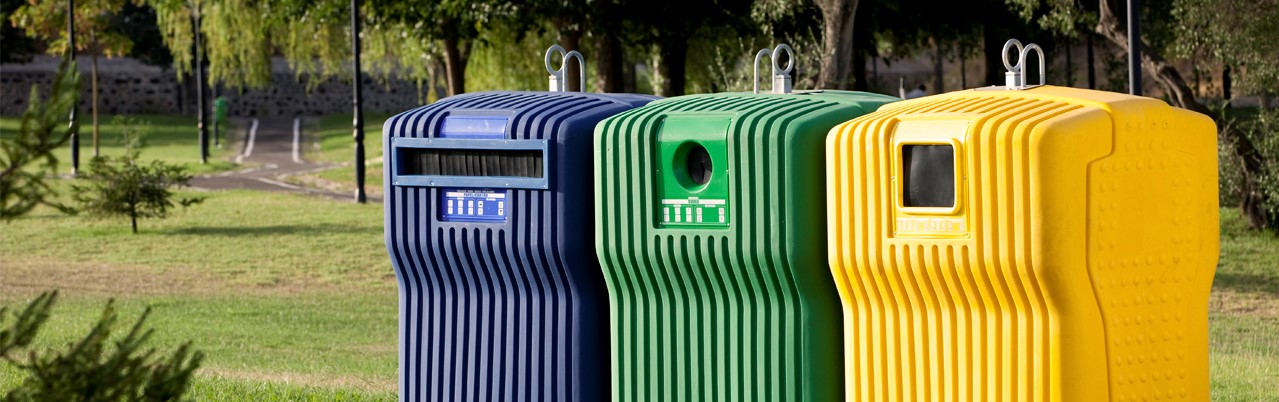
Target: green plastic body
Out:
[734,308]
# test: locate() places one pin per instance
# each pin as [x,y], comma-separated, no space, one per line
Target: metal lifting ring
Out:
[790,59]
[1022,59]
[1015,78]
[1010,43]
[761,53]
[781,79]
[557,78]
[581,68]
[552,50]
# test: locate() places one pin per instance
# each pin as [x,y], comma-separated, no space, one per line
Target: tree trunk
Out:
[673,53]
[863,51]
[874,69]
[1225,85]
[133,218]
[572,39]
[837,42]
[94,93]
[437,73]
[1070,65]
[630,77]
[1092,69]
[1252,198]
[608,62]
[1163,72]
[455,55]
[420,93]
[859,71]
[992,45]
[939,67]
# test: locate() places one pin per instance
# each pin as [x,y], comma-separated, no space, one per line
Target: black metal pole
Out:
[199,91]
[1225,85]
[1092,71]
[1134,47]
[359,115]
[217,142]
[1070,64]
[73,127]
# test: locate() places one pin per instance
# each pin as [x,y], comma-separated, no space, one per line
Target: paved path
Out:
[274,147]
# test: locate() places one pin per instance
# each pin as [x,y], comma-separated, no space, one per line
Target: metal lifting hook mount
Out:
[1015,78]
[558,81]
[782,81]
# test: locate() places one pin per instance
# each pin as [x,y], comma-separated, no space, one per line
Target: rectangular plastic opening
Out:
[928,174]
[472,162]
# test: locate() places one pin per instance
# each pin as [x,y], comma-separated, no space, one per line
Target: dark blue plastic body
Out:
[506,305]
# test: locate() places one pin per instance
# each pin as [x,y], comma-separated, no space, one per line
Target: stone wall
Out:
[127,86]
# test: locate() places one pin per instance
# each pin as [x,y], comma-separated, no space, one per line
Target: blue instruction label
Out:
[473,205]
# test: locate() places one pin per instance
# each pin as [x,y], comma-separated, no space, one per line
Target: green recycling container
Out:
[220,108]
[711,231]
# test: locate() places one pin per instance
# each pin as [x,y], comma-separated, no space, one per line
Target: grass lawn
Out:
[331,137]
[291,297]
[329,141]
[1243,315]
[169,138]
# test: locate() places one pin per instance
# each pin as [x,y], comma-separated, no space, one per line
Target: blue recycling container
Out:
[489,227]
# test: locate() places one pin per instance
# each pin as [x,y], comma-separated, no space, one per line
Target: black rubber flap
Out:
[929,174]
[471,162]
[698,163]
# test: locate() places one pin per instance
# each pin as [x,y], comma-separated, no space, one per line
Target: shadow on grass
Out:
[272,230]
[1246,283]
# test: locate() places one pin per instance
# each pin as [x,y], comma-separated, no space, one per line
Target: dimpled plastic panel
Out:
[1080,271]
[732,309]
[508,304]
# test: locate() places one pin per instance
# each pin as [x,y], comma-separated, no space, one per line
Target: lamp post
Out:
[73,127]
[1134,47]
[199,89]
[357,98]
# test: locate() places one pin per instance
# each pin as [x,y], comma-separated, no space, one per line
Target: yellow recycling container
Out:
[1024,244]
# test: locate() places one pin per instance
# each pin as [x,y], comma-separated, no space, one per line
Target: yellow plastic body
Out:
[1075,264]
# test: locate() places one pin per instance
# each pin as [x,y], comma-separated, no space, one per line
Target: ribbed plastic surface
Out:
[511,309]
[708,309]
[1075,266]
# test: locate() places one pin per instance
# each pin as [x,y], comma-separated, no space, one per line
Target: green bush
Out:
[1262,129]
[125,187]
[99,367]
[1264,133]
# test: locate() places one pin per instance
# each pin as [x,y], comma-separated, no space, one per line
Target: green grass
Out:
[324,339]
[291,297]
[333,134]
[172,139]
[218,389]
[253,238]
[1249,260]
[1244,357]
[221,389]
[1243,316]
